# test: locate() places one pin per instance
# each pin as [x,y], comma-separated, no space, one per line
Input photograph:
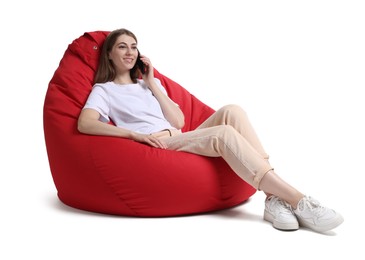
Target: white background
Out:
[297,68]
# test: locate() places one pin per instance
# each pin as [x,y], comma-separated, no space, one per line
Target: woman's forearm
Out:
[96,127]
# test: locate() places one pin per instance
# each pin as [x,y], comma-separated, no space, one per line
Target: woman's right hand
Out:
[150,140]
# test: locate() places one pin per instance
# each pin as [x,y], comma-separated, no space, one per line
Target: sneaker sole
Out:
[338,221]
[278,225]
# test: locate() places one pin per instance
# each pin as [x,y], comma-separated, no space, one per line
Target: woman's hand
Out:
[150,140]
[148,75]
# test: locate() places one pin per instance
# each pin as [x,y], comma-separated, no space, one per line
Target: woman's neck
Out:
[123,79]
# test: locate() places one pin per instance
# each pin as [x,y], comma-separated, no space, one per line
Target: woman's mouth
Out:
[128,60]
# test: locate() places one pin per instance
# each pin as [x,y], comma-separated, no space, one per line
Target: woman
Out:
[142,111]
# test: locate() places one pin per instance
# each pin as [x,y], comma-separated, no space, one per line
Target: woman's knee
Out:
[233,109]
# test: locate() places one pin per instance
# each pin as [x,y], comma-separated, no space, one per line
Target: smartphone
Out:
[140,64]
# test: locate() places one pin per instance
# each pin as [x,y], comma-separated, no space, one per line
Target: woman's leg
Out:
[229,133]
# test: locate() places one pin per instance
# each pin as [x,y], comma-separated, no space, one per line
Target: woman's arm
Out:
[89,123]
[171,111]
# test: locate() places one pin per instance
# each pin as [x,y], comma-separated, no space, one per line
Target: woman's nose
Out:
[129,51]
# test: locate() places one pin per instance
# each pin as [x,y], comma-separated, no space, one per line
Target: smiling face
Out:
[124,53]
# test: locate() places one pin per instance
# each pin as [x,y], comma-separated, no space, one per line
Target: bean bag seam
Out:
[106,183]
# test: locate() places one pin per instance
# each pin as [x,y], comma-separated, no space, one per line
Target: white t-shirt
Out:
[130,106]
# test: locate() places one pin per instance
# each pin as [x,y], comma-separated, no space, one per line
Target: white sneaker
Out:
[280,214]
[313,215]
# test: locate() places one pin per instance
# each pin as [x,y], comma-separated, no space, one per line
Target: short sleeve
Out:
[99,101]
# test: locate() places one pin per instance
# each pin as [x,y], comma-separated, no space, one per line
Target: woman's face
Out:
[124,53]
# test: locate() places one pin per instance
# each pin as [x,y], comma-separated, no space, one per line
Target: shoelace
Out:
[285,205]
[314,205]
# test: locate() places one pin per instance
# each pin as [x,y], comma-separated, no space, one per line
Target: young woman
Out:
[142,111]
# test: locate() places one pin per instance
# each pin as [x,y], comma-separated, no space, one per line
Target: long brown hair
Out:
[106,71]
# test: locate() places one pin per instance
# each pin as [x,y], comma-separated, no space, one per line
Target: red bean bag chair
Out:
[121,177]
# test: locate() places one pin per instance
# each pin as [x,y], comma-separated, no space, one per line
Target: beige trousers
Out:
[227,133]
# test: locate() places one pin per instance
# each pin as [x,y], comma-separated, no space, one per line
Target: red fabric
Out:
[119,176]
